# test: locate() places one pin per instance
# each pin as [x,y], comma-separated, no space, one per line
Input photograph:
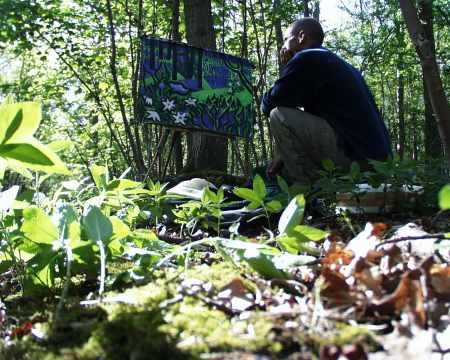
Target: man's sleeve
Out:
[289,89]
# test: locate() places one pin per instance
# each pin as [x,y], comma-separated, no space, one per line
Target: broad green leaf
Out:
[43,265]
[60,145]
[25,153]
[288,261]
[283,184]
[310,233]
[53,164]
[10,128]
[289,244]
[262,264]
[17,167]
[444,198]
[295,244]
[208,195]
[15,124]
[100,176]
[328,165]
[38,227]
[259,187]
[68,225]
[292,215]
[355,169]
[97,226]
[3,167]
[246,245]
[248,194]
[119,228]
[274,206]
[122,184]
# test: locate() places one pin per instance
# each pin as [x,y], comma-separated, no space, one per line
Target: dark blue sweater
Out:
[327,86]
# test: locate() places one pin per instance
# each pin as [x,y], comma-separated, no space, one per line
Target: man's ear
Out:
[301,36]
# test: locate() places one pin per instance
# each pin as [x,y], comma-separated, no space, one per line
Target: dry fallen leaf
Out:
[407,296]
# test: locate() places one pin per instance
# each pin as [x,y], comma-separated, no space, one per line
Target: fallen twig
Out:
[439,236]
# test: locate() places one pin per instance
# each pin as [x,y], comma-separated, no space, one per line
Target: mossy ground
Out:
[154,321]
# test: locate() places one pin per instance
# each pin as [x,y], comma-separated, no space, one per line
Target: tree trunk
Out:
[401,112]
[433,146]
[316,10]
[430,69]
[176,36]
[305,8]
[204,151]
[278,32]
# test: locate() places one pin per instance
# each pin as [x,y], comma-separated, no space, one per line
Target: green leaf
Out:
[310,233]
[97,226]
[68,225]
[38,227]
[208,196]
[15,124]
[328,165]
[119,228]
[259,187]
[273,206]
[262,264]
[60,145]
[283,185]
[248,194]
[295,244]
[122,184]
[41,159]
[288,261]
[25,153]
[444,198]
[246,245]
[100,176]
[16,129]
[42,265]
[292,215]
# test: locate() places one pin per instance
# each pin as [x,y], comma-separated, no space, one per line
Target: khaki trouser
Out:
[302,141]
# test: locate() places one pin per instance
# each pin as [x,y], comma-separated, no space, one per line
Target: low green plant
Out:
[257,197]
[293,237]
[205,213]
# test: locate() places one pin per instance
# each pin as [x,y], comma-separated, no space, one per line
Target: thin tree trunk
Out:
[204,151]
[176,36]
[430,68]
[244,54]
[137,156]
[401,112]
[305,8]
[433,145]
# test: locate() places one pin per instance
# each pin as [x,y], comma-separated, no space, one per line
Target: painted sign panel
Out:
[196,89]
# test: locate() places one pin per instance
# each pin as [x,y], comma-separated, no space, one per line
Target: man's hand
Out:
[285,55]
[274,167]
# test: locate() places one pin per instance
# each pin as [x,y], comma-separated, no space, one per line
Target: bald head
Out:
[311,27]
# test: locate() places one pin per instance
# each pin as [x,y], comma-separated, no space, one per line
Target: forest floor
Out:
[376,286]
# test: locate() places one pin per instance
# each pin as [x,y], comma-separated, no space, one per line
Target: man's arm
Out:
[290,89]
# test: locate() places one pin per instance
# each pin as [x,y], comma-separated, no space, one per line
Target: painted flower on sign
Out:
[148,100]
[180,118]
[153,115]
[191,102]
[168,104]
